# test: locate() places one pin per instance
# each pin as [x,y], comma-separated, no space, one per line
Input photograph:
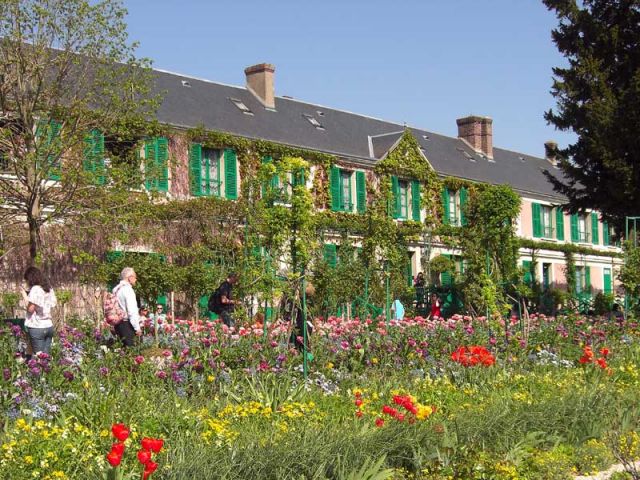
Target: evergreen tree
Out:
[598,97]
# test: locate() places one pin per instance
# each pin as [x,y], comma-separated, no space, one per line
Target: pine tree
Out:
[598,98]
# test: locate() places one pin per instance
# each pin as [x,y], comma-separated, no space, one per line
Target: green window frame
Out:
[93,160]
[230,174]
[48,144]
[579,233]
[546,275]
[330,254]
[606,234]
[361,192]
[464,195]
[529,272]
[595,237]
[607,281]
[559,224]
[156,161]
[415,200]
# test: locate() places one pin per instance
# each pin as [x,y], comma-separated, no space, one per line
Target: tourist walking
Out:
[129,328]
[40,299]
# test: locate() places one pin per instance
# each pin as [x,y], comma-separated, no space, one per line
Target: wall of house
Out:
[526,222]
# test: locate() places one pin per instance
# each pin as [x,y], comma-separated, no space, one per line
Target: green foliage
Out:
[598,99]
[602,303]
[570,272]
[10,301]
[68,83]
[490,246]
[630,273]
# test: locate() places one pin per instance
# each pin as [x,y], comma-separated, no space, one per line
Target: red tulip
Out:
[120,431]
[114,458]
[150,467]
[146,443]
[144,456]
[359,413]
[156,445]
[118,448]
[379,422]
[604,351]
[358,402]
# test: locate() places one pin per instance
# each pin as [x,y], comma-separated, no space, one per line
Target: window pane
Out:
[404,199]
[547,228]
[345,185]
[579,279]
[453,213]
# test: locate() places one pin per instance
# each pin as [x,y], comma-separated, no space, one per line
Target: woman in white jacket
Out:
[40,299]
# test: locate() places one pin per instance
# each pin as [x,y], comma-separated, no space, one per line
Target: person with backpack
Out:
[40,299]
[129,325]
[221,301]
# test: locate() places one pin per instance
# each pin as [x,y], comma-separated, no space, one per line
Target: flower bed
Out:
[449,398]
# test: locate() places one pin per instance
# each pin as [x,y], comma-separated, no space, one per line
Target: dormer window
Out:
[241,106]
[313,121]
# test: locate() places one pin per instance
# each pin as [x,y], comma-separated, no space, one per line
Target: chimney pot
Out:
[260,83]
[551,152]
[477,132]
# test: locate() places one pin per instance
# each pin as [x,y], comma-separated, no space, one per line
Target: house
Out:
[359,143]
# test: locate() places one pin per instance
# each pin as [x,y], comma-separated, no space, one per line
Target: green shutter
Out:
[335,189]
[299,177]
[88,158]
[265,185]
[608,286]
[395,190]
[536,214]
[331,254]
[150,164]
[595,238]
[195,169]
[52,132]
[575,235]
[230,174]
[463,202]
[559,224]
[605,233]
[445,204]
[361,192]
[587,279]
[446,278]
[162,164]
[528,272]
[415,200]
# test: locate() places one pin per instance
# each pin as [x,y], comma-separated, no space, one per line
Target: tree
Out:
[598,97]
[68,76]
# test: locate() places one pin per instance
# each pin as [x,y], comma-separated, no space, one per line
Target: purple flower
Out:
[104,371]
[6,374]
[161,374]
[35,371]
[68,375]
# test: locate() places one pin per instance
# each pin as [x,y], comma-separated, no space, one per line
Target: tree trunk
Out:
[34,239]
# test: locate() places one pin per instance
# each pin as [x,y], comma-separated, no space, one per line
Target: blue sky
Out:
[423,62]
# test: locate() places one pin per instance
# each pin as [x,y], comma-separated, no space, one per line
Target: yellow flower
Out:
[28,459]
[104,433]
[329,366]
[210,378]
[374,360]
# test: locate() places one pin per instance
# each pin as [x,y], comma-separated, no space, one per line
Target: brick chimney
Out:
[260,83]
[477,132]
[551,152]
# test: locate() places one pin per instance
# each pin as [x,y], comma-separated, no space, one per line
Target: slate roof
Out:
[355,137]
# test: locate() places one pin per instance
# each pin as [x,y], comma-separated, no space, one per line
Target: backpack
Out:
[215,302]
[113,312]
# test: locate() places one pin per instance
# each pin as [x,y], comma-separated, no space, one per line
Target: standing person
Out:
[223,303]
[40,300]
[397,309]
[435,307]
[159,318]
[128,329]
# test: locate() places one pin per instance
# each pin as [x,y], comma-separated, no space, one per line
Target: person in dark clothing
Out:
[226,299]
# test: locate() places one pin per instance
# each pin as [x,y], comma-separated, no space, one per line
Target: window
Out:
[403,192]
[342,190]
[205,165]
[454,202]
[547,227]
[545,223]
[241,106]
[529,273]
[48,145]
[546,275]
[345,191]
[313,121]
[579,230]
[583,281]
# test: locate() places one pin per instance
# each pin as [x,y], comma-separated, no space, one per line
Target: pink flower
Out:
[139,359]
